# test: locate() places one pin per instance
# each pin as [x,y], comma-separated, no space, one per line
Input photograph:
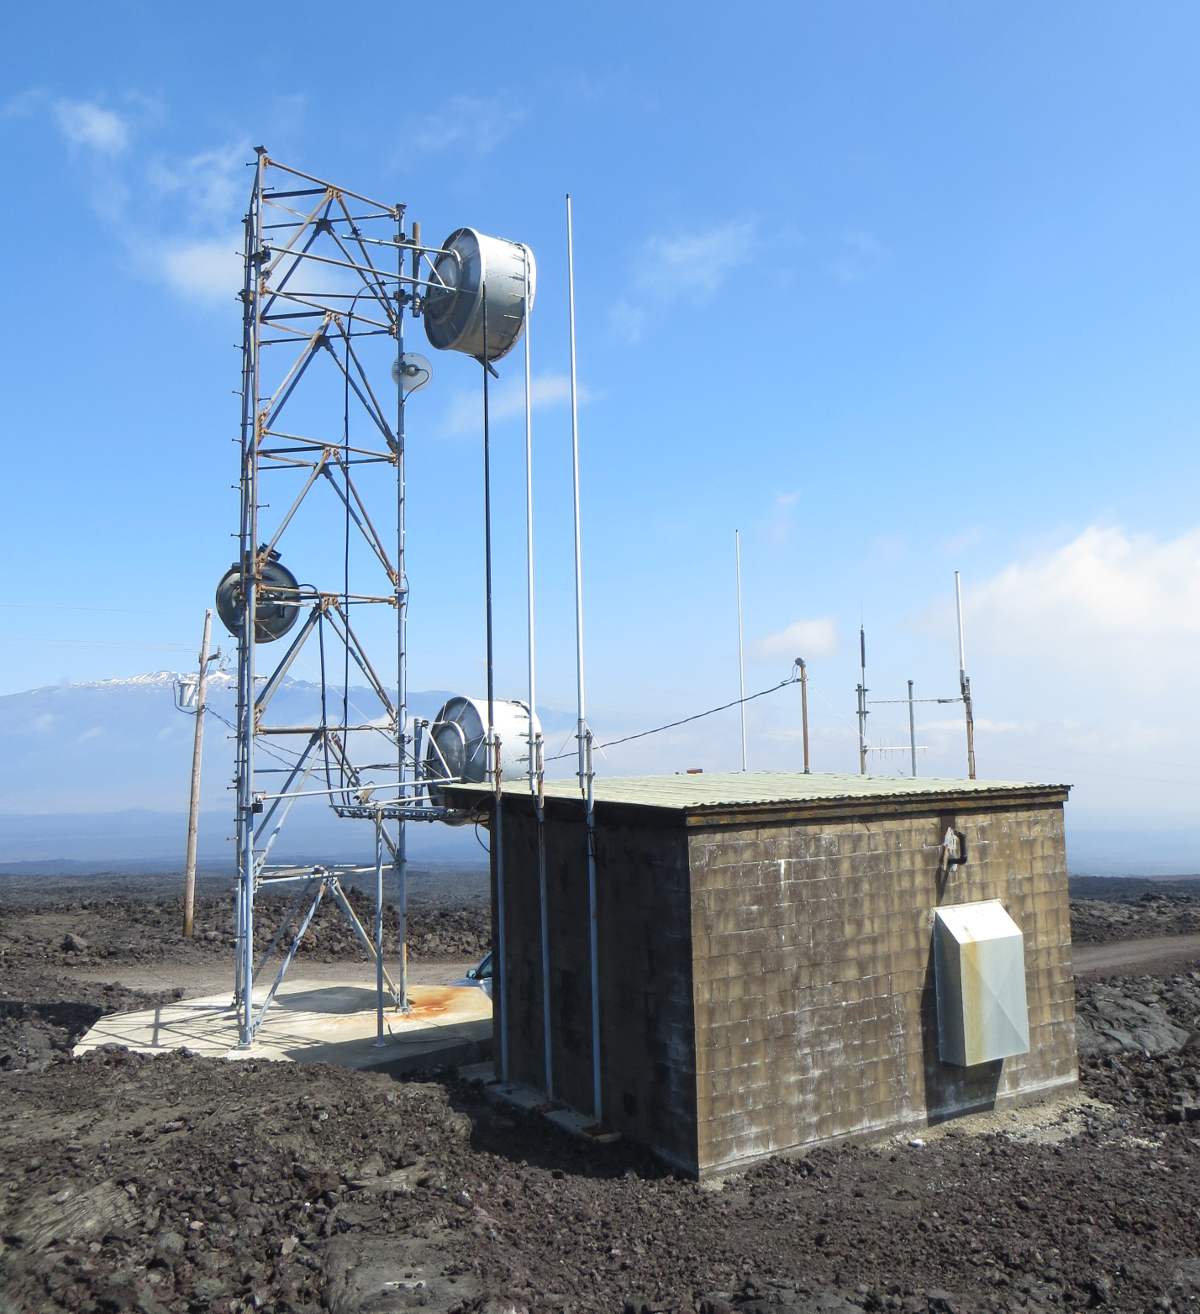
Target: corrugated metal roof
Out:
[751,788]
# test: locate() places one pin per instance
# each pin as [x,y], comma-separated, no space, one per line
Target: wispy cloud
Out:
[777,525]
[802,638]
[175,217]
[961,542]
[204,271]
[694,265]
[856,258]
[627,321]
[687,266]
[477,123]
[84,123]
[508,400]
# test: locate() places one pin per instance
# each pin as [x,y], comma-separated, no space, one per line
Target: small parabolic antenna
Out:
[454,310]
[275,608]
[412,373]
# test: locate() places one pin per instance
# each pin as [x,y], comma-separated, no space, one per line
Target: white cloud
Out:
[802,638]
[464,120]
[688,266]
[176,218]
[694,265]
[1081,657]
[777,525]
[508,399]
[627,321]
[1108,600]
[961,542]
[84,123]
[206,271]
[213,183]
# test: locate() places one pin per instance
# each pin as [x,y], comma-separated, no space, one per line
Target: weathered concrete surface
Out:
[766,967]
[447,1025]
[816,1011]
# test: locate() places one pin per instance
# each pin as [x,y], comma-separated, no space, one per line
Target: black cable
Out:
[612,743]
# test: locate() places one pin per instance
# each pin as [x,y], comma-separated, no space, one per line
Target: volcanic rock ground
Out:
[175,1183]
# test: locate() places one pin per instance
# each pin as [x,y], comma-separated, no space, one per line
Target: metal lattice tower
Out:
[324,295]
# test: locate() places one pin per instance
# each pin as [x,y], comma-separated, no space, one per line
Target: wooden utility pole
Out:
[189,888]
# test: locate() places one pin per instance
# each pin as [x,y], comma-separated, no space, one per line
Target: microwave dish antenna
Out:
[454,304]
[412,373]
[276,599]
[457,744]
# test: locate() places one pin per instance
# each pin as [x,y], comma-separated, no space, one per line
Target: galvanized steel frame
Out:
[279,244]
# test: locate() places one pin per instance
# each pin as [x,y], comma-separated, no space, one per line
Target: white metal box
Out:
[979,962]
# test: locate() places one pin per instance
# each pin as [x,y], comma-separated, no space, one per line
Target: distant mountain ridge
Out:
[100,770]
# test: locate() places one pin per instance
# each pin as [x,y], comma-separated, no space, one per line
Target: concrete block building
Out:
[766,953]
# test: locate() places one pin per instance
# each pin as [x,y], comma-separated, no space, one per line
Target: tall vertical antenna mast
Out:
[912,731]
[582,712]
[740,655]
[737,548]
[862,702]
[535,740]
[586,774]
[964,682]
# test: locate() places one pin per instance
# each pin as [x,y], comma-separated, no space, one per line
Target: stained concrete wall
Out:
[648,1038]
[768,983]
[813,979]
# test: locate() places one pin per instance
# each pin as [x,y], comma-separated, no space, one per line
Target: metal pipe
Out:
[597,1102]
[496,848]
[378,931]
[804,707]
[584,735]
[737,547]
[251,422]
[189,880]
[540,804]
[862,703]
[529,524]
[535,740]
[400,858]
[964,682]
[912,730]
[582,713]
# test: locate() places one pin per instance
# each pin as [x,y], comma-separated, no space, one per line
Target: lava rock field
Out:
[181,1184]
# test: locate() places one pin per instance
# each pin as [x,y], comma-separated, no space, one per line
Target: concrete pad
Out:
[534,1101]
[583,1124]
[334,1023]
[522,1097]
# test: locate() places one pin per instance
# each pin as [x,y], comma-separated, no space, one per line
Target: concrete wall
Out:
[816,1014]
[770,984]
[644,917]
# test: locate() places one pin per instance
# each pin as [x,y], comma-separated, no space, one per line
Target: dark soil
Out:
[176,1183]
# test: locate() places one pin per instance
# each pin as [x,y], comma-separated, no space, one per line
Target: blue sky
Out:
[893,290]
